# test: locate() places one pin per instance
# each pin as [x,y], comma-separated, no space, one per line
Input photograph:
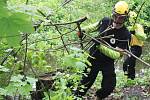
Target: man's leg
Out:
[126,65]
[88,78]
[132,61]
[108,82]
[131,68]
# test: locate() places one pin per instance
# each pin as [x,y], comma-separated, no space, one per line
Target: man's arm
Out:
[121,46]
[91,28]
[138,31]
[109,52]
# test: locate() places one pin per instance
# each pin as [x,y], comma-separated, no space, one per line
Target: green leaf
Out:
[25,90]
[3,69]
[80,65]
[3,2]
[11,31]
[69,61]
[31,80]
[13,25]
[2,91]
[4,12]
[16,78]
[11,89]
[63,84]
[23,21]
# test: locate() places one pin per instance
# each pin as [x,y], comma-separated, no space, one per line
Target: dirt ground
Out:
[128,93]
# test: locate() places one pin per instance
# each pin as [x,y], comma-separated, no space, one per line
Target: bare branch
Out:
[107,45]
[66,2]
[25,56]
[77,21]
[55,37]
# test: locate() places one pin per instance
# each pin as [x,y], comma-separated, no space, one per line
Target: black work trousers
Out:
[100,63]
[129,63]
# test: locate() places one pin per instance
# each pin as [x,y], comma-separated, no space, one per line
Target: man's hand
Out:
[80,34]
[122,52]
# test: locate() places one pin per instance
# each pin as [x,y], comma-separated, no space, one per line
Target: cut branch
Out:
[77,21]
[127,52]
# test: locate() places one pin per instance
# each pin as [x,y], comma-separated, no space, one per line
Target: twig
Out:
[5,58]
[130,53]
[56,27]
[139,12]
[41,13]
[98,37]
[25,57]
[56,49]
[61,37]
[12,69]
[77,21]
[69,44]
[54,37]
[66,2]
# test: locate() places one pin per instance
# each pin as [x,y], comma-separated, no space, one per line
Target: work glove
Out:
[80,34]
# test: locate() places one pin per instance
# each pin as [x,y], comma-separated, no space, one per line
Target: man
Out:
[103,57]
[137,40]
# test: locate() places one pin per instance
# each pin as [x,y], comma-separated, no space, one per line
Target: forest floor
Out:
[127,93]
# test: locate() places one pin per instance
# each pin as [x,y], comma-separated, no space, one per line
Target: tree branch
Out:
[107,45]
[61,37]
[27,1]
[25,56]
[66,2]
[77,21]
[55,37]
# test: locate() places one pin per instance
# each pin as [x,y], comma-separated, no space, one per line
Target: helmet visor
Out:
[119,18]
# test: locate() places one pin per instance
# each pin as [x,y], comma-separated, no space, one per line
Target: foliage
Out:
[18,87]
[2,68]
[67,81]
[45,47]
[12,23]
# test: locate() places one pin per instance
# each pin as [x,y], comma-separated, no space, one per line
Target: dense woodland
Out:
[39,44]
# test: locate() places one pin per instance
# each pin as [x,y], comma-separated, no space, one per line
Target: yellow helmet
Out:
[121,7]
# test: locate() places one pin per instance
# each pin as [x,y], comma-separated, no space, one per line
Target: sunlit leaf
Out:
[2,91]
[13,23]
[31,80]
[17,78]
[3,69]
[25,90]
